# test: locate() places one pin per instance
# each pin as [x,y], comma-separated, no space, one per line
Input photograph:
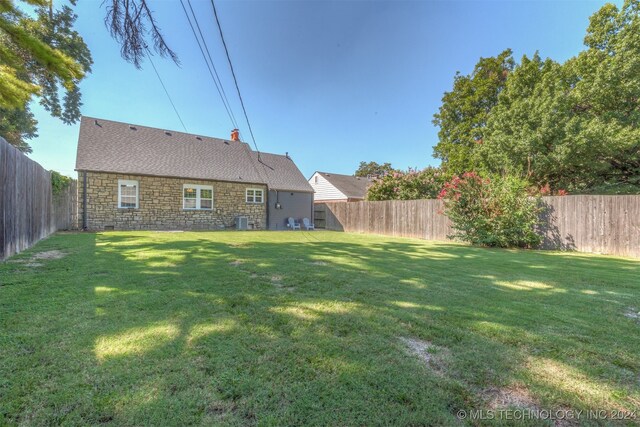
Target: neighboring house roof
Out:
[354,187]
[108,146]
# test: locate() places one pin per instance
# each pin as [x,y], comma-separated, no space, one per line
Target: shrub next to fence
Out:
[492,211]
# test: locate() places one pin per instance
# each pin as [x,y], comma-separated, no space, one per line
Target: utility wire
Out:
[206,47]
[207,63]
[235,80]
[166,91]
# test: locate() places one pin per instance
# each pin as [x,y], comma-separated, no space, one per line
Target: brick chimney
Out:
[235,135]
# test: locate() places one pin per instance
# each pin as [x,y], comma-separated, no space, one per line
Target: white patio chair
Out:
[293,224]
[307,224]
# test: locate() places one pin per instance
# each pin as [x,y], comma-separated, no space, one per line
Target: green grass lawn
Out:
[321,328]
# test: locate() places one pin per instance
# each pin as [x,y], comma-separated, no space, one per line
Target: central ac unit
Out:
[242,223]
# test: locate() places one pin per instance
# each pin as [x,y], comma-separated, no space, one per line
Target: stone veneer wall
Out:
[160,204]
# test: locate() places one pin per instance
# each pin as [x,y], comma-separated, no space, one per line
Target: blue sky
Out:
[331,82]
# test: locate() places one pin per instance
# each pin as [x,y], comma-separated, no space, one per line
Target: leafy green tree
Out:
[530,132]
[574,125]
[465,110]
[42,56]
[18,125]
[410,185]
[607,90]
[55,27]
[59,182]
[28,58]
[373,169]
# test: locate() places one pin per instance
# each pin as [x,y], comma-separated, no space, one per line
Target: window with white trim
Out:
[197,197]
[127,194]
[254,195]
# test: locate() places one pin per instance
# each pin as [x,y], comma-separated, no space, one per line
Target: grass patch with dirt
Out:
[321,328]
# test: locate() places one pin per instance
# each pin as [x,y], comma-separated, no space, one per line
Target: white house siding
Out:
[324,190]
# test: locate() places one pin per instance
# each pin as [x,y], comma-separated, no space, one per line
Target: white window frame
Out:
[198,198]
[255,191]
[122,182]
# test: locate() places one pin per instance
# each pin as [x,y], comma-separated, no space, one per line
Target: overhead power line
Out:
[235,80]
[226,107]
[215,71]
[166,91]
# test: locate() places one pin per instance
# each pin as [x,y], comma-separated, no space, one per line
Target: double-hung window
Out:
[127,194]
[254,195]
[197,197]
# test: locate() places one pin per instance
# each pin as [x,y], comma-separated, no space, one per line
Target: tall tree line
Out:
[572,125]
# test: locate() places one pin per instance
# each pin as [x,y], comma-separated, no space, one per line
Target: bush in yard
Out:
[59,182]
[498,211]
[410,185]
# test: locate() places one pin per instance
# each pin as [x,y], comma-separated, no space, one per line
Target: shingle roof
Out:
[280,173]
[108,146]
[351,186]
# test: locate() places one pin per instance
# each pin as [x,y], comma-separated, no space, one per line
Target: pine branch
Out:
[127,21]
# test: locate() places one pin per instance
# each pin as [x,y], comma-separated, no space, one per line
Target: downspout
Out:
[268,208]
[277,204]
[84,201]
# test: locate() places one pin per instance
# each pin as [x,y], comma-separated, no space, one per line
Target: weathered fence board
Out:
[65,208]
[600,224]
[28,210]
[402,218]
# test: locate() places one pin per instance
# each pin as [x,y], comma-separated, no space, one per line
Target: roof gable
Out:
[280,173]
[352,187]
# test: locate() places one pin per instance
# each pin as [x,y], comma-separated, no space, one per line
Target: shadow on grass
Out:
[221,327]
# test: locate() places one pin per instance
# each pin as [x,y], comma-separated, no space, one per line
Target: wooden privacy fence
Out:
[28,210]
[65,208]
[601,224]
[403,218]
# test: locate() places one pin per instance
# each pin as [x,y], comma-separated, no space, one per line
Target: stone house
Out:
[134,177]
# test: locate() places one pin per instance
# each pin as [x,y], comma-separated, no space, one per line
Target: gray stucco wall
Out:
[296,205]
